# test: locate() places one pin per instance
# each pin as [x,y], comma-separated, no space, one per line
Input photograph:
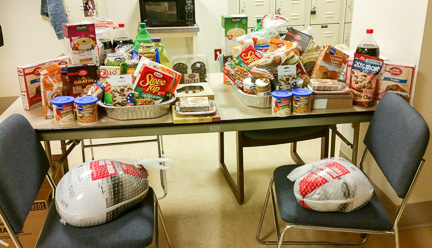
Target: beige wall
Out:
[398,28]
[30,38]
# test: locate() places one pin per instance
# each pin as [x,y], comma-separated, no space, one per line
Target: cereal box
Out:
[29,80]
[80,43]
[233,26]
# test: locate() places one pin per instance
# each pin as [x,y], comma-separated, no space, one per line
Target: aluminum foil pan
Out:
[253,100]
[138,112]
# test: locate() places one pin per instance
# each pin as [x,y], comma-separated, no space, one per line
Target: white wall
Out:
[399,27]
[29,37]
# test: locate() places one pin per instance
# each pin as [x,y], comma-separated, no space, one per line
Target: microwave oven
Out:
[160,13]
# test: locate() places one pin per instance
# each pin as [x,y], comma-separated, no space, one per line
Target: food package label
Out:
[119,91]
[248,56]
[100,191]
[80,43]
[106,71]
[233,26]
[81,78]
[363,79]
[331,185]
[152,83]
[298,37]
[396,78]
[330,64]
[29,79]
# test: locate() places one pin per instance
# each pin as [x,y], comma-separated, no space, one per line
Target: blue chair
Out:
[397,139]
[22,171]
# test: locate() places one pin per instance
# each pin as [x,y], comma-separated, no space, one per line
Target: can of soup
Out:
[63,109]
[281,102]
[86,109]
[301,101]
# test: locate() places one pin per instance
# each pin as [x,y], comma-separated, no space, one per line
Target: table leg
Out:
[355,143]
[236,188]
[48,152]
[64,150]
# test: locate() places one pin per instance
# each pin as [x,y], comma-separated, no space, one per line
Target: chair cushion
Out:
[372,216]
[133,229]
[284,133]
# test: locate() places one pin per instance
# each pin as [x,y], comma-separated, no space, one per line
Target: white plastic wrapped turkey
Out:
[99,191]
[331,185]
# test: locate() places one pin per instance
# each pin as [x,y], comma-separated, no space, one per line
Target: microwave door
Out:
[159,13]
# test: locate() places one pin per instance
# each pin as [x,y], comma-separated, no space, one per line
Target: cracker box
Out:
[233,26]
[80,43]
[29,80]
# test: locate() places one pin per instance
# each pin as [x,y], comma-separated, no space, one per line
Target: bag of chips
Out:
[331,185]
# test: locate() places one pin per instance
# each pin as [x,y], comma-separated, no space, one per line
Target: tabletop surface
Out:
[235,115]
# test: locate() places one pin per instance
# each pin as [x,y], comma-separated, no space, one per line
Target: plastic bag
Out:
[273,21]
[331,185]
[100,191]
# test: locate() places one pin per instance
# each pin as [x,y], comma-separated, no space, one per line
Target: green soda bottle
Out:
[258,25]
[162,53]
[143,36]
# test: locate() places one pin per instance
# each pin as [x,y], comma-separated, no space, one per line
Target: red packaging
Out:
[249,55]
[152,83]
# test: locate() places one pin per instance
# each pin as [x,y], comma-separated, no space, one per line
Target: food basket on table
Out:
[138,111]
[252,100]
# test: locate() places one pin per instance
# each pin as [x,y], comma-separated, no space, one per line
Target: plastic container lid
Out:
[156,39]
[121,25]
[302,92]
[369,31]
[62,100]
[281,94]
[86,100]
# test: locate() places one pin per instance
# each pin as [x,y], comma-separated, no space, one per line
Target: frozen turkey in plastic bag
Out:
[331,185]
[100,191]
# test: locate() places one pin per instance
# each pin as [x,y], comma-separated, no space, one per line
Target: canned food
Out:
[281,103]
[86,109]
[63,109]
[263,87]
[302,101]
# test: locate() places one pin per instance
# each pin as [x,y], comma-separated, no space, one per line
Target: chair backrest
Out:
[397,138]
[23,167]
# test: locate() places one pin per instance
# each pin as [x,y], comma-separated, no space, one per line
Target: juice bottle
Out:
[368,45]
[143,36]
[162,52]
[122,37]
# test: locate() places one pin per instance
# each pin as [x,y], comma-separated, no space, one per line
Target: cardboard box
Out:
[34,221]
[197,89]
[80,43]
[332,101]
[29,81]
[233,26]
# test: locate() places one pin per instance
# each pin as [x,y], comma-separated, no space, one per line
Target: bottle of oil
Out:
[368,46]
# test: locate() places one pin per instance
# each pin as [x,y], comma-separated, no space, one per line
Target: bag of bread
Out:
[278,52]
[330,63]
[52,87]
[363,79]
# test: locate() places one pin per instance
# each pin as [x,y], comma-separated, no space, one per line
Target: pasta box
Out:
[233,26]
[80,43]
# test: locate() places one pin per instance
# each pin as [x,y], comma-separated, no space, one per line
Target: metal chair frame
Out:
[364,232]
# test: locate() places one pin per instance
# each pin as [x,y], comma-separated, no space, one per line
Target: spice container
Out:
[281,102]
[263,87]
[86,109]
[301,101]
[63,109]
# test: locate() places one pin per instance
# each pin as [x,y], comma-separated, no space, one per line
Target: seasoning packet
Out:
[363,80]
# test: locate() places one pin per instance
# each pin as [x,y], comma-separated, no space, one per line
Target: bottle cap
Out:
[121,25]
[369,31]
[142,25]
[156,39]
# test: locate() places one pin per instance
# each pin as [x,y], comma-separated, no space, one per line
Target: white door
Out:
[347,34]
[294,10]
[325,11]
[326,34]
[349,10]
[255,9]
